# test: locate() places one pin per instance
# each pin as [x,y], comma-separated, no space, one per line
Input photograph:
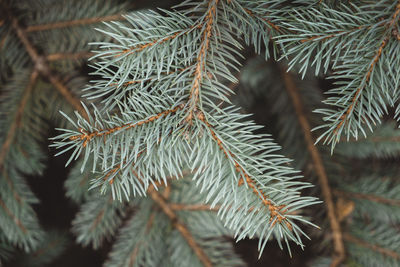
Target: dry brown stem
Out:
[71,23]
[318,166]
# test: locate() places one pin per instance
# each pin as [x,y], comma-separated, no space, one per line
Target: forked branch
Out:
[43,67]
[164,205]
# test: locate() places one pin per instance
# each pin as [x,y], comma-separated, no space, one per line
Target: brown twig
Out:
[71,23]
[373,198]
[201,59]
[43,68]
[319,168]
[166,208]
[69,56]
[86,136]
[362,243]
[17,118]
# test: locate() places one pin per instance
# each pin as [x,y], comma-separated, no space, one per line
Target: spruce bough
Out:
[179,166]
[166,109]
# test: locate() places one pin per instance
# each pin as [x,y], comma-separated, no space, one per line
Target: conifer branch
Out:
[335,34]
[98,218]
[43,68]
[17,197]
[367,76]
[354,100]
[87,137]
[135,251]
[150,78]
[275,211]
[13,217]
[165,207]
[362,243]
[158,41]
[17,118]
[202,58]
[270,23]
[71,23]
[294,94]
[373,198]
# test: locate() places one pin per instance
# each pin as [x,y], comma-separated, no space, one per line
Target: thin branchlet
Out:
[367,77]
[275,211]
[201,59]
[86,137]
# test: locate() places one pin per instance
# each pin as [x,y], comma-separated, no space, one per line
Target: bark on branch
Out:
[165,207]
[319,168]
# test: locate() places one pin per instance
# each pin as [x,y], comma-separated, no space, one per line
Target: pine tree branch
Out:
[43,68]
[274,210]
[270,23]
[86,136]
[346,114]
[16,196]
[69,56]
[319,168]
[166,208]
[142,47]
[150,78]
[99,216]
[373,198]
[362,243]
[71,23]
[344,117]
[17,118]
[135,251]
[7,144]
[13,217]
[335,34]
[201,59]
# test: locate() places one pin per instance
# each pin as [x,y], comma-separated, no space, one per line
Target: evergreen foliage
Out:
[168,167]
